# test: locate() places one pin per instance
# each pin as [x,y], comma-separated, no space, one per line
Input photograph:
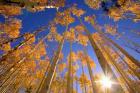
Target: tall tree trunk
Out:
[103,62]
[50,75]
[83,80]
[72,78]
[43,79]
[76,86]
[94,87]
[69,76]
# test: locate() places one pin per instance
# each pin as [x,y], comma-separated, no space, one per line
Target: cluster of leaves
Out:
[64,18]
[83,80]
[12,27]
[111,30]
[9,29]
[85,58]
[118,9]
[54,35]
[77,12]
[8,10]
[70,35]
[126,9]
[95,4]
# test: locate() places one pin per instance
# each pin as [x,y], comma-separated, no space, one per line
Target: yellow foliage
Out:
[12,27]
[43,63]
[8,10]
[79,28]
[30,38]
[121,2]
[26,48]
[60,3]
[82,39]
[39,73]
[90,19]
[53,29]
[75,68]
[61,56]
[74,57]
[95,4]
[91,62]
[58,37]
[115,13]
[64,18]
[111,29]
[6,47]
[61,67]
[70,35]
[42,50]
[96,36]
[84,59]
[83,80]
[77,12]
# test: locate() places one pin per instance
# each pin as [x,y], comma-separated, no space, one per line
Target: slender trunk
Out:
[72,77]
[69,71]
[94,87]
[83,80]
[76,86]
[51,72]
[43,79]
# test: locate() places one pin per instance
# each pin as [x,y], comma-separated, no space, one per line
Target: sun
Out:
[106,82]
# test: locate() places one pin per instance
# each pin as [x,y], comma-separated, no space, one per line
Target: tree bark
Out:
[94,87]
[69,71]
[50,75]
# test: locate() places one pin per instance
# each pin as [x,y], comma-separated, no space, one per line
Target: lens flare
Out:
[106,82]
